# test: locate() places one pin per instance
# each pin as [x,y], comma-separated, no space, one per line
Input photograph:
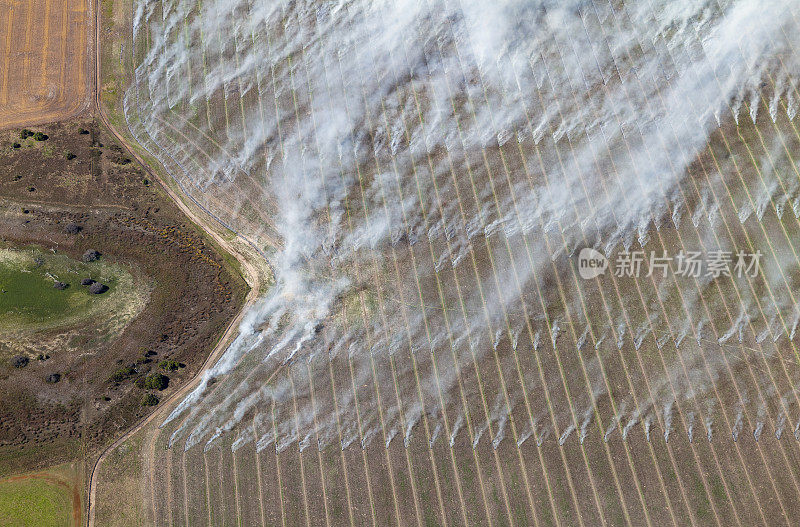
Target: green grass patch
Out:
[35,501]
[29,299]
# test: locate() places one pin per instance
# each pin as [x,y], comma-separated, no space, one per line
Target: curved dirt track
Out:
[244,252]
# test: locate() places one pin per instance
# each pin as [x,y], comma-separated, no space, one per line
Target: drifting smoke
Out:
[419,174]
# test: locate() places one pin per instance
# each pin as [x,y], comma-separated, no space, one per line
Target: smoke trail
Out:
[361,146]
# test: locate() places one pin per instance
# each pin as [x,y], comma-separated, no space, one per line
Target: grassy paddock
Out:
[44,499]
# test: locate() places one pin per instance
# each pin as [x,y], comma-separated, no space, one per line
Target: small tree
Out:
[156,381]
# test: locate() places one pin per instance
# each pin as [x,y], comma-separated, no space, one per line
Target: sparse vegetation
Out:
[122,374]
[170,365]
[149,399]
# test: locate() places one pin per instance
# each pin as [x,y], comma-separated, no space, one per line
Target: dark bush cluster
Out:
[91,255]
[52,378]
[19,361]
[70,156]
[155,381]
[96,288]
[73,228]
[87,281]
[60,285]
[39,136]
[25,133]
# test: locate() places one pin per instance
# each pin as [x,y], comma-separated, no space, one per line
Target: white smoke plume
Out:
[419,174]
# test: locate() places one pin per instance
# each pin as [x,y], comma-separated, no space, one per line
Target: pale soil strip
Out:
[7,54]
[236,490]
[208,490]
[394,378]
[663,362]
[299,454]
[571,324]
[551,413]
[258,478]
[168,490]
[185,489]
[62,67]
[319,450]
[595,342]
[278,466]
[466,413]
[661,480]
[27,60]
[693,331]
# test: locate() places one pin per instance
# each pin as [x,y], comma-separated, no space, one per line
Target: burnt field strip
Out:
[430,353]
[44,60]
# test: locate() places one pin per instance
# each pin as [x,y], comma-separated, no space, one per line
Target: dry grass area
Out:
[44,60]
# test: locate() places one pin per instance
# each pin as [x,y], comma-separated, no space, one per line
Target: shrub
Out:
[91,255]
[60,285]
[39,136]
[170,365]
[16,145]
[149,400]
[25,133]
[19,361]
[83,131]
[52,378]
[70,156]
[73,228]
[97,288]
[87,281]
[122,374]
[155,381]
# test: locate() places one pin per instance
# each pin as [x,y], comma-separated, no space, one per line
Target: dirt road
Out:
[241,248]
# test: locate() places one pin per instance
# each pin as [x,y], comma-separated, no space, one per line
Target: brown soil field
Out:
[44,60]
[81,176]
